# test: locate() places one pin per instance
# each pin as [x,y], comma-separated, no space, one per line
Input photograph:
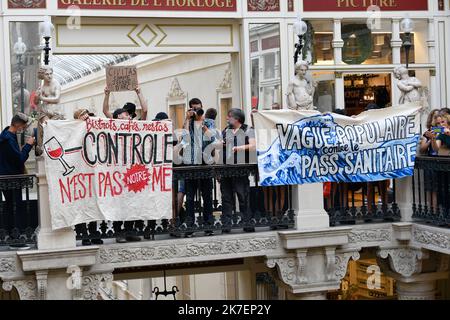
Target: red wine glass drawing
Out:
[55,151]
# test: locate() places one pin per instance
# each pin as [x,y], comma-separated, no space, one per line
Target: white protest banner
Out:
[104,169]
[297,147]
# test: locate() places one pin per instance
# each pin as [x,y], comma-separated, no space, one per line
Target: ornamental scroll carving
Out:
[27,289]
[263,5]
[405,261]
[26,4]
[188,250]
[292,270]
[92,285]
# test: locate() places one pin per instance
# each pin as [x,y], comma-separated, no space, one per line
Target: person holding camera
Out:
[199,134]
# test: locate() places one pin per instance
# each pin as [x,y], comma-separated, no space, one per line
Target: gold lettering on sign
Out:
[172,3]
[366,3]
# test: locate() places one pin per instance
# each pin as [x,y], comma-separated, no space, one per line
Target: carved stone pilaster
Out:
[330,264]
[41,279]
[27,289]
[299,271]
[225,85]
[93,284]
[404,261]
[301,266]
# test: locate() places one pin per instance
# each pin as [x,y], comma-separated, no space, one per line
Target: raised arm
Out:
[436,144]
[106,111]
[143,103]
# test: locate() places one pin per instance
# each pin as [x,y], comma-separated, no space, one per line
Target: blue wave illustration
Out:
[278,166]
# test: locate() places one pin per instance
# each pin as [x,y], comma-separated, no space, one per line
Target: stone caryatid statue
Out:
[47,98]
[301,90]
[409,86]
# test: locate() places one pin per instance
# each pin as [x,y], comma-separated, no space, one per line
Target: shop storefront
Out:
[353,47]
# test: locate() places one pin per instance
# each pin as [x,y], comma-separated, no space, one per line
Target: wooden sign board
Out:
[121,78]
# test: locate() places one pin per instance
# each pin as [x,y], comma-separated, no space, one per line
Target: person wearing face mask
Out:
[12,162]
[239,144]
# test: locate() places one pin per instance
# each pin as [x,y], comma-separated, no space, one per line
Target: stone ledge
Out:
[304,239]
[57,259]
[161,252]
[431,238]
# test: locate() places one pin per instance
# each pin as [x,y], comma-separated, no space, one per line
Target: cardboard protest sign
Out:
[121,78]
[297,147]
[104,169]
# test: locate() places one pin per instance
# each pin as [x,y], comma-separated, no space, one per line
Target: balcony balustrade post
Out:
[47,238]
[404,197]
[308,205]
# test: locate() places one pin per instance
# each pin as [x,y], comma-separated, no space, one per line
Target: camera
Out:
[198,113]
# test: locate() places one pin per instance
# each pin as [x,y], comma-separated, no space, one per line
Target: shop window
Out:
[364,45]
[25,59]
[318,42]
[324,96]
[367,91]
[265,79]
[270,65]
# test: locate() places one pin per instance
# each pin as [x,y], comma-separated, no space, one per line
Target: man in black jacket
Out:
[12,162]
[12,158]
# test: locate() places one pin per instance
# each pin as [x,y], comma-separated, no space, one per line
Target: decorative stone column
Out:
[396,45]
[339,90]
[315,263]
[431,42]
[415,271]
[54,278]
[396,41]
[421,290]
[337,43]
[46,237]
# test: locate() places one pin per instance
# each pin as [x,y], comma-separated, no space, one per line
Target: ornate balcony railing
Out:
[431,190]
[351,203]
[268,208]
[18,211]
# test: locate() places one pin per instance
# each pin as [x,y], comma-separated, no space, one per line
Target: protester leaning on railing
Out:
[12,162]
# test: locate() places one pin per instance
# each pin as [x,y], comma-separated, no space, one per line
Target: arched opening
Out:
[8,295]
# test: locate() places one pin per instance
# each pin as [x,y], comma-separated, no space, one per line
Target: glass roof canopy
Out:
[69,68]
